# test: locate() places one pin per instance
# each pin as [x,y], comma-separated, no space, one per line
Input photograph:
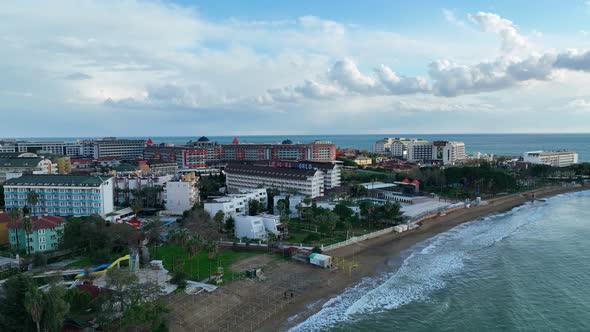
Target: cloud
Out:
[450,17]
[490,22]
[399,85]
[77,76]
[574,60]
[346,74]
[579,103]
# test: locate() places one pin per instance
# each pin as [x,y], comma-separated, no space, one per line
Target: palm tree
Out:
[28,227]
[212,249]
[34,305]
[281,206]
[219,218]
[299,208]
[193,246]
[136,205]
[14,215]
[32,199]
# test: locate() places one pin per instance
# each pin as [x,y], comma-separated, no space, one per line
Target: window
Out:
[41,247]
[41,231]
[42,239]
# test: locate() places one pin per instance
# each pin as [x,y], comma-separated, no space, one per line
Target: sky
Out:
[261,67]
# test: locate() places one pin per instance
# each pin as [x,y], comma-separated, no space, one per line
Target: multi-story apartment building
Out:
[126,185]
[73,149]
[561,158]
[331,171]
[445,152]
[204,152]
[61,195]
[112,147]
[181,194]
[258,227]
[419,151]
[303,181]
[448,152]
[45,236]
[16,166]
[383,146]
[234,205]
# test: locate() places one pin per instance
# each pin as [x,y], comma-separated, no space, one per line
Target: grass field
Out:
[200,266]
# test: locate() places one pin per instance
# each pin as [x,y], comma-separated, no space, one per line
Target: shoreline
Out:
[384,254]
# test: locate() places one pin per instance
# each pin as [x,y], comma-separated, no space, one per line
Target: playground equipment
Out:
[102,269]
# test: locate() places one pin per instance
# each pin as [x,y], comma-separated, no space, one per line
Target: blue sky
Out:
[146,67]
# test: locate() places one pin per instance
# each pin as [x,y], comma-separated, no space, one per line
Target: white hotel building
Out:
[235,205]
[445,152]
[562,158]
[302,181]
[61,195]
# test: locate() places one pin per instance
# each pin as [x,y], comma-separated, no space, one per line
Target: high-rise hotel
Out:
[206,152]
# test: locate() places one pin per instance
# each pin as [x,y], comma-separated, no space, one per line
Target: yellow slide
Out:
[103,271]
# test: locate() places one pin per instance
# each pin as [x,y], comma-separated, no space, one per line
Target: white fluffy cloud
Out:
[504,28]
[139,61]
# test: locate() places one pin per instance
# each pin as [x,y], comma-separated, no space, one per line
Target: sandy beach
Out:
[248,305]
[383,253]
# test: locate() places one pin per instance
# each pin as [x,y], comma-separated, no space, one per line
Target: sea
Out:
[498,144]
[524,270]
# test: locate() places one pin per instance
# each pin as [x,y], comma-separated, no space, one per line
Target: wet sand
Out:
[384,254]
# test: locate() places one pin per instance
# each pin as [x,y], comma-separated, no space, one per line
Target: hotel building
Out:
[204,152]
[45,235]
[445,152]
[302,181]
[181,194]
[562,158]
[125,149]
[16,166]
[234,205]
[61,195]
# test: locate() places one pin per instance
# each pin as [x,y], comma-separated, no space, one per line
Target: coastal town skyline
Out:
[183,67]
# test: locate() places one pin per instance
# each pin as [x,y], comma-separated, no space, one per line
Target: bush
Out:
[312,237]
[317,250]
[179,279]
[39,259]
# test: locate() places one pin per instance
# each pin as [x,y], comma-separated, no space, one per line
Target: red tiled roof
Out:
[39,222]
[149,141]
[4,217]
[415,181]
[235,141]
[406,180]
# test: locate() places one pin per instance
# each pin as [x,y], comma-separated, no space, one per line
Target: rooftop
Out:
[273,172]
[56,180]
[39,222]
[20,162]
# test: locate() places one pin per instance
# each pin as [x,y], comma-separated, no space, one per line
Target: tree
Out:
[14,316]
[34,305]
[39,259]
[358,190]
[299,208]
[212,249]
[14,215]
[281,206]
[28,227]
[152,231]
[136,205]
[219,217]
[151,313]
[254,207]
[230,225]
[344,212]
[193,246]
[32,200]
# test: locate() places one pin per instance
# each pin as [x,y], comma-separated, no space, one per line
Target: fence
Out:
[416,219]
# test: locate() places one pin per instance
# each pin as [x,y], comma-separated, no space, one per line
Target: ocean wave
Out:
[427,267]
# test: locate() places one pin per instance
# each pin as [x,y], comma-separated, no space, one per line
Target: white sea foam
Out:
[426,269]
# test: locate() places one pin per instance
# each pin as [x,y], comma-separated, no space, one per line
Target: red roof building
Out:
[39,222]
[235,141]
